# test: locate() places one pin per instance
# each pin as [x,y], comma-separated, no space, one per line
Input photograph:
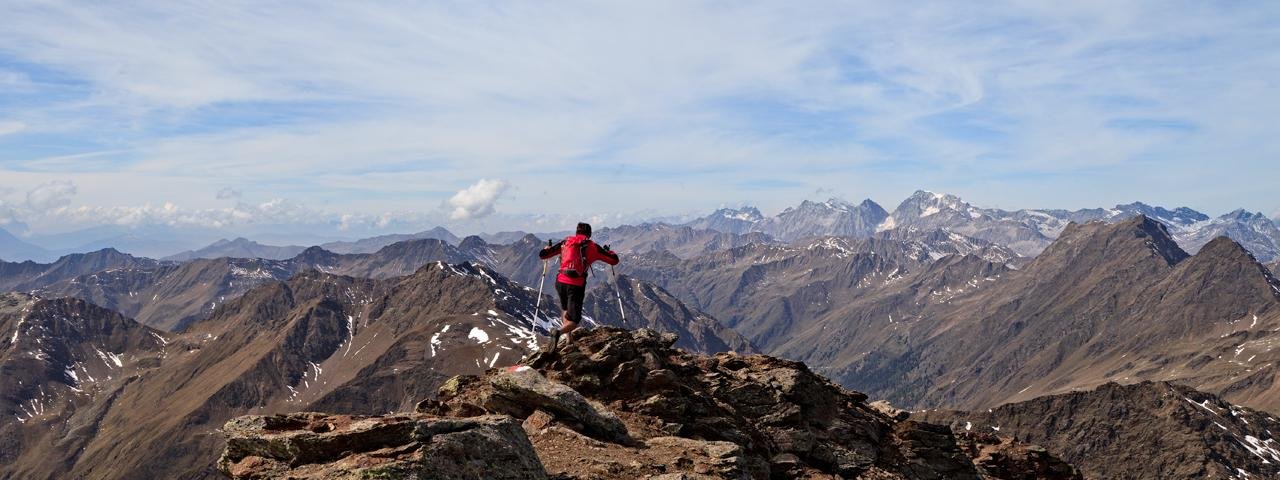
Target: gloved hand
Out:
[607,249]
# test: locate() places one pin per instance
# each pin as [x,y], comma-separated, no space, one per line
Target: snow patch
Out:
[435,340]
[478,335]
[108,358]
[1263,449]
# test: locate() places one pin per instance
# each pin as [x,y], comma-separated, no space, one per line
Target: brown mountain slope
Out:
[26,276]
[682,241]
[517,260]
[1104,302]
[171,296]
[878,329]
[649,306]
[319,340]
[63,363]
[769,292]
[1144,430]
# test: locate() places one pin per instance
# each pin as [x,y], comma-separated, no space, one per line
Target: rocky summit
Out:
[617,404]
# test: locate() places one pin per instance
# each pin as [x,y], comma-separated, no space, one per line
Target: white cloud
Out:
[477,200]
[51,195]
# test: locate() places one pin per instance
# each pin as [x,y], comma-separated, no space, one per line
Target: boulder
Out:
[524,385]
[1001,457]
[320,446]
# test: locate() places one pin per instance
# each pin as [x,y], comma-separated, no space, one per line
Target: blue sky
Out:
[477,115]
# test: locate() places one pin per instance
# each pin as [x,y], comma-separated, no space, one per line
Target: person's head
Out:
[584,229]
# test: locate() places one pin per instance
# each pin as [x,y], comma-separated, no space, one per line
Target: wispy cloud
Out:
[8,127]
[381,112]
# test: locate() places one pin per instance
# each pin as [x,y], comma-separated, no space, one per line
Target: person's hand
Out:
[607,249]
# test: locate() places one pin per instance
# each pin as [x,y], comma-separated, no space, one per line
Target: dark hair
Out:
[584,229]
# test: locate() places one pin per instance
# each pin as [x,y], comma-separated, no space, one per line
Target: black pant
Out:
[571,300]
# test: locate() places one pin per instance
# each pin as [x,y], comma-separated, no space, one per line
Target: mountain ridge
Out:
[1147,429]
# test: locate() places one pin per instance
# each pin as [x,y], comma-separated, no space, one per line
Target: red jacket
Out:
[594,253]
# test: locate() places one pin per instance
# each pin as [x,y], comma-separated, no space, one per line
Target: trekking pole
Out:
[617,292]
[537,306]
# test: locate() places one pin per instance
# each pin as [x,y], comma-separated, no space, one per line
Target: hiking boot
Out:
[555,340]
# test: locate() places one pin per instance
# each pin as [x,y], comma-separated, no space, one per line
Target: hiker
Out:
[577,253]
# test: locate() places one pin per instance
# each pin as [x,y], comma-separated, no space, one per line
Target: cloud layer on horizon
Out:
[378,115]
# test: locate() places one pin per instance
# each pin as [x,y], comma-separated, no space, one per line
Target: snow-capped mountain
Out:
[1029,231]
[1025,232]
[834,217]
[1253,231]
[729,220]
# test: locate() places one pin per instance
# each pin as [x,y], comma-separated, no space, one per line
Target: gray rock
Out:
[320,446]
[526,386]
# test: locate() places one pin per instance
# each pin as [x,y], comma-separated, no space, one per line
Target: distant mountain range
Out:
[12,248]
[1026,231]
[239,248]
[373,244]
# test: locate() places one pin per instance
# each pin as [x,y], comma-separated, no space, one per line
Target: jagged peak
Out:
[1223,251]
[1160,240]
[109,251]
[437,230]
[314,249]
[1154,235]
[1224,247]
[1243,216]
[746,213]
[1180,215]
[315,253]
[1133,205]
[413,244]
[869,204]
[926,198]
[472,241]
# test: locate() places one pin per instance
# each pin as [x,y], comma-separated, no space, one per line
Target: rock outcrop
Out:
[320,446]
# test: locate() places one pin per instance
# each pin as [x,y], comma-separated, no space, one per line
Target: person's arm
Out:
[550,251]
[605,255]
